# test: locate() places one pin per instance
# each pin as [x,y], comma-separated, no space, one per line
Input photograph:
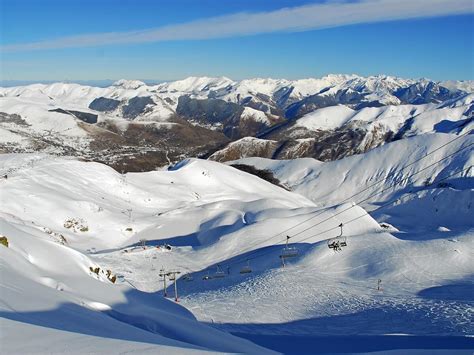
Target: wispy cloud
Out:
[295,19]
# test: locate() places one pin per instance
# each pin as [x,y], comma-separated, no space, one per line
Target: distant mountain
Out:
[134,126]
[334,132]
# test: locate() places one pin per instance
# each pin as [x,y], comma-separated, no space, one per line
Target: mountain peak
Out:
[129,84]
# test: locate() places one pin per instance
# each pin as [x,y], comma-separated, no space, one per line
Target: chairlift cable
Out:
[359,202]
[408,165]
[379,192]
[354,219]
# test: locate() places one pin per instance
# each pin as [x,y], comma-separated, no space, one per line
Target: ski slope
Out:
[332,182]
[63,216]
[70,299]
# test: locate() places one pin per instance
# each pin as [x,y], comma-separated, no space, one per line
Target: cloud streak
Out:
[295,19]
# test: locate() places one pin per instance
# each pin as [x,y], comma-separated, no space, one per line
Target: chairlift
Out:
[338,242]
[219,274]
[287,251]
[246,269]
[188,277]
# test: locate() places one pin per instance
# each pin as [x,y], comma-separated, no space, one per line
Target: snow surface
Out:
[260,90]
[212,214]
[43,192]
[256,115]
[443,118]
[330,182]
[34,103]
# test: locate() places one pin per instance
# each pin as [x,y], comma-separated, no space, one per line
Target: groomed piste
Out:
[86,246]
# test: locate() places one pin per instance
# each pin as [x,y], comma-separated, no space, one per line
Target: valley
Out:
[416,237]
[132,126]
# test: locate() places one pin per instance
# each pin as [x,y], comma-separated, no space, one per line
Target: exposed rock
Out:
[244,148]
[104,104]
[261,173]
[4,241]
[299,142]
[420,93]
[12,118]
[212,111]
[137,106]
[83,116]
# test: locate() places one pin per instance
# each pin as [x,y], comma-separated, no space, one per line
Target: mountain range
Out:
[133,126]
[366,248]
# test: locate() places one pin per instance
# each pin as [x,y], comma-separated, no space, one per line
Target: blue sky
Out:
[238,39]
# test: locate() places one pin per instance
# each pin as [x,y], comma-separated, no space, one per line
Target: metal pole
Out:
[164,285]
[175,289]
[163,274]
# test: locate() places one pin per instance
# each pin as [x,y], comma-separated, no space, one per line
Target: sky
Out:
[52,40]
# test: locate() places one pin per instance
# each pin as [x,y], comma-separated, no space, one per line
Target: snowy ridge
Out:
[195,85]
[129,84]
[380,87]
[256,115]
[214,216]
[331,182]
[425,118]
[71,298]
[203,113]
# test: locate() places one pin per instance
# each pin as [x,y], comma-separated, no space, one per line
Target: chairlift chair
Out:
[219,274]
[287,251]
[188,277]
[246,269]
[338,242]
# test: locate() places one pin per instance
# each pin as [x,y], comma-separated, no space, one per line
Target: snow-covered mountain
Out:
[337,131]
[328,183]
[129,120]
[65,219]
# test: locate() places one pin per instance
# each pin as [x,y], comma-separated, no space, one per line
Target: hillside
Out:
[50,255]
[338,131]
[132,126]
[64,216]
[402,165]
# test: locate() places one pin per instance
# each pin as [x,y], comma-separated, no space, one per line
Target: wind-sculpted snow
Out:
[109,195]
[328,183]
[424,118]
[74,272]
[65,218]
[68,296]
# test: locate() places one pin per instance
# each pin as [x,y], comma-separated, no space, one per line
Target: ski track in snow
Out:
[301,300]
[329,306]
[312,302]
[213,214]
